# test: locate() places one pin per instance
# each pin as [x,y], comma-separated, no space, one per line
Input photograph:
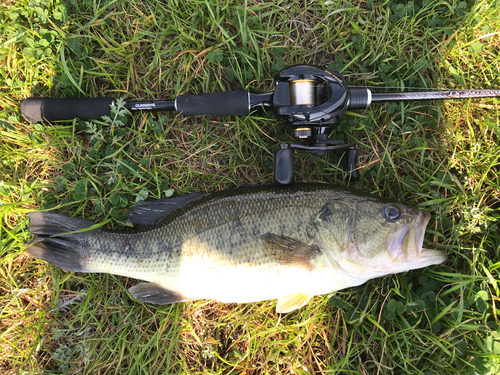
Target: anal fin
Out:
[156,294]
[292,302]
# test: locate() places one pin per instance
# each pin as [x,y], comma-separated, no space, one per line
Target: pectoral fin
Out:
[292,302]
[287,250]
[154,293]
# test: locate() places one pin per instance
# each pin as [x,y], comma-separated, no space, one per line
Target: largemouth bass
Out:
[247,244]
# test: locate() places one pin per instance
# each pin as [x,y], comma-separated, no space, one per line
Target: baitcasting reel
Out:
[311,99]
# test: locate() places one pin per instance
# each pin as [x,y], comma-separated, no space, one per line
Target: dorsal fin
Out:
[151,212]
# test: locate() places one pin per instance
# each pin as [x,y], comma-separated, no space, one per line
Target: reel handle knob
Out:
[283,166]
[352,164]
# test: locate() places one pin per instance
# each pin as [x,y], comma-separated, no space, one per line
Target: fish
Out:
[244,245]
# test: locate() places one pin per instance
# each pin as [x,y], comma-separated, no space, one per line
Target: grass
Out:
[444,157]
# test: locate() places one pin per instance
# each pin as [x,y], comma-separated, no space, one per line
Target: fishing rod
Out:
[310,99]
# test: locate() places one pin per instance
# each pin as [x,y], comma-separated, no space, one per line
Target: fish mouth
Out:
[409,239]
[420,225]
[413,240]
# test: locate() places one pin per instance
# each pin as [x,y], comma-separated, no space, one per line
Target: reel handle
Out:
[283,163]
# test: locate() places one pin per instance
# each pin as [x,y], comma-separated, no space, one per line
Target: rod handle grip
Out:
[229,103]
[50,109]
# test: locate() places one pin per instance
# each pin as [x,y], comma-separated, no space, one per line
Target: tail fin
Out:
[63,250]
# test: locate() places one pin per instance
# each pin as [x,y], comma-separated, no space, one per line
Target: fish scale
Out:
[245,245]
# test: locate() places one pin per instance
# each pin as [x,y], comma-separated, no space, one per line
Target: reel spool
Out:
[302,92]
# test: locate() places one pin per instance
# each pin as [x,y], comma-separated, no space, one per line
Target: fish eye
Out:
[392,213]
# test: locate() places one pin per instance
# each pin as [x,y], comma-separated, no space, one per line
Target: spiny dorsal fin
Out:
[151,212]
[154,293]
[292,302]
[288,250]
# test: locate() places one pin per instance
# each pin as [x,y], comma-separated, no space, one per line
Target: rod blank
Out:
[434,95]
